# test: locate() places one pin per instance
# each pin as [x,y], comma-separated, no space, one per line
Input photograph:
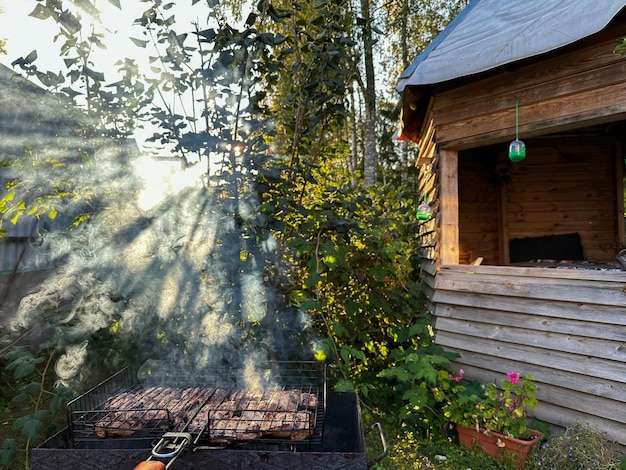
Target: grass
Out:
[407,451]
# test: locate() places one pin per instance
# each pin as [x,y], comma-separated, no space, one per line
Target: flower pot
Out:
[502,448]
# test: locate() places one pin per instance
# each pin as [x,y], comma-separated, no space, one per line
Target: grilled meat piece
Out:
[240,416]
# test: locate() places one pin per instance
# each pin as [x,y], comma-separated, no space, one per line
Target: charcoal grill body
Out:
[342,446]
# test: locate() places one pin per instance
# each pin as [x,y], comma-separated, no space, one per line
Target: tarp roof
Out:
[491,33]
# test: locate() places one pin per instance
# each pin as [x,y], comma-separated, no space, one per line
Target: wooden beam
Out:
[619,180]
[449,207]
[588,107]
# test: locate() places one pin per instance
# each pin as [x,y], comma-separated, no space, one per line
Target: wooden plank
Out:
[574,216]
[552,206]
[487,369]
[594,405]
[558,227]
[544,324]
[504,87]
[496,132]
[595,194]
[429,267]
[546,339]
[598,368]
[490,100]
[607,315]
[427,146]
[567,417]
[537,288]
[618,277]
[449,213]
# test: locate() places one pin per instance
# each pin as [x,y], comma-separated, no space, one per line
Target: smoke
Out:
[152,264]
[180,281]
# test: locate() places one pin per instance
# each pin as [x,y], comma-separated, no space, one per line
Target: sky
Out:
[25,33]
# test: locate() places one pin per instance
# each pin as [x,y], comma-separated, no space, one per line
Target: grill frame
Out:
[87,410]
[343,446]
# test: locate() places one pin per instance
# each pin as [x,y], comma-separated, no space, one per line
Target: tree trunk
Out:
[370,157]
[404,50]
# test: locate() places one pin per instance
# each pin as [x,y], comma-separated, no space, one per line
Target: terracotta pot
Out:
[502,448]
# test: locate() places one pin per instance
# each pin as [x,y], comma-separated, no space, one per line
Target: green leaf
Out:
[416,396]
[344,386]
[40,12]
[398,373]
[309,305]
[340,330]
[96,76]
[312,280]
[33,387]
[69,21]
[139,42]
[330,261]
[115,3]
[31,425]
[7,452]
[24,365]
[16,217]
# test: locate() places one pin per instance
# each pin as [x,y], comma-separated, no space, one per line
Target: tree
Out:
[370,150]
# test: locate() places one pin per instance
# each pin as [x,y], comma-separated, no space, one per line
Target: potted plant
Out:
[493,417]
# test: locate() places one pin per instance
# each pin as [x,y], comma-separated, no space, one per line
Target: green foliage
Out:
[28,378]
[408,450]
[350,261]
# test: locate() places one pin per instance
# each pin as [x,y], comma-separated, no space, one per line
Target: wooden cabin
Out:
[519,259]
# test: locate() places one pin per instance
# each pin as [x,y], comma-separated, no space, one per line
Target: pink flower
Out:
[513,377]
[458,377]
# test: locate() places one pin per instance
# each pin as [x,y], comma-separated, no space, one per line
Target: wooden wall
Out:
[565,185]
[565,327]
[580,85]
[478,206]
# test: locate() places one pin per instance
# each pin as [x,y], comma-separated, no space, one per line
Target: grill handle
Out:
[173,443]
[383,454]
[169,447]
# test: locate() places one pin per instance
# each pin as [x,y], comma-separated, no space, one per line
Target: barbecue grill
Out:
[211,421]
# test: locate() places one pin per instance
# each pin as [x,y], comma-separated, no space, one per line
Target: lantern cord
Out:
[517,119]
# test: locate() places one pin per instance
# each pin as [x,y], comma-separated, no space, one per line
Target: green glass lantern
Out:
[517,151]
[517,148]
[424,211]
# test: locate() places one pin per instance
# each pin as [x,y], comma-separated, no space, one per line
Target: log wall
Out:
[567,328]
[583,83]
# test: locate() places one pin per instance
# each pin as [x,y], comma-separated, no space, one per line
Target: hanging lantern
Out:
[517,148]
[424,211]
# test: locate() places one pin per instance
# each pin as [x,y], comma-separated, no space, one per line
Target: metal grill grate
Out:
[214,409]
